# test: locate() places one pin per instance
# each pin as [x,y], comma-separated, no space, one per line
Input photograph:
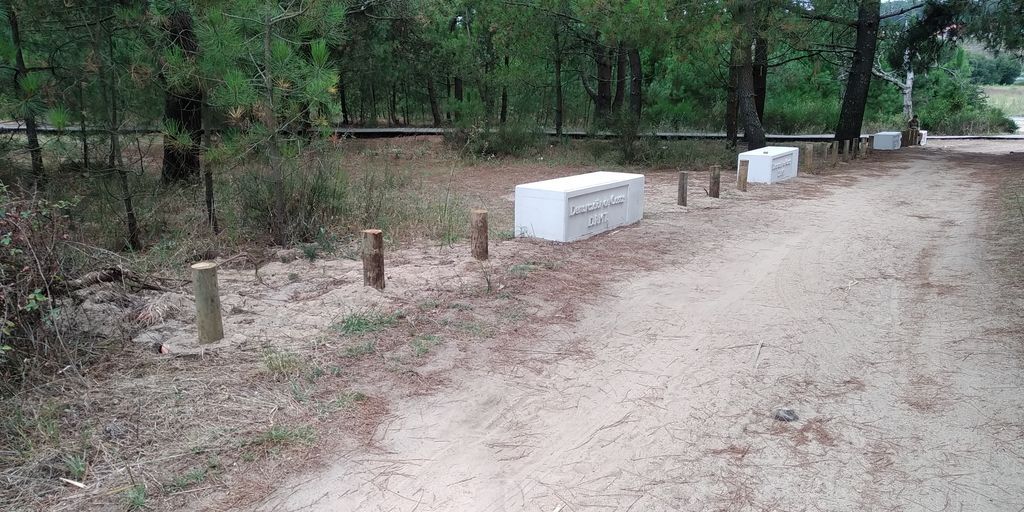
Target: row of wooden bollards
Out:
[830,154]
[714,182]
[815,156]
[207,293]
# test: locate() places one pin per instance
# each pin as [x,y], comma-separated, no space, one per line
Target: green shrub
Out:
[314,197]
[516,140]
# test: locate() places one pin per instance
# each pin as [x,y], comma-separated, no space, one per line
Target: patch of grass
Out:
[25,429]
[422,344]
[474,328]
[521,270]
[362,323]
[135,497]
[189,478]
[283,365]
[315,373]
[76,465]
[460,306]
[504,234]
[429,304]
[293,277]
[360,349]
[524,269]
[310,251]
[344,401]
[280,435]
[299,393]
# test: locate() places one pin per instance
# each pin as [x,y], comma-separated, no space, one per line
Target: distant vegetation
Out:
[1000,70]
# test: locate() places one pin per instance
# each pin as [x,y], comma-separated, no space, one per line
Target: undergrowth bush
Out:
[34,270]
[325,201]
[314,198]
[515,140]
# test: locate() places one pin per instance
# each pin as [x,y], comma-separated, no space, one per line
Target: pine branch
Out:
[901,11]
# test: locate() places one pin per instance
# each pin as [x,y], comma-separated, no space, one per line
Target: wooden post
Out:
[833,149]
[856,148]
[867,146]
[373,258]
[807,155]
[208,320]
[741,175]
[845,147]
[684,178]
[479,234]
[715,184]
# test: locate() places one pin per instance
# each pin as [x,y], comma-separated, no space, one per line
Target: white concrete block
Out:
[924,137]
[770,164]
[887,140]
[577,207]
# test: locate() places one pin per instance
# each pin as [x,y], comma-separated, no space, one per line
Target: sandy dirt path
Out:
[872,310]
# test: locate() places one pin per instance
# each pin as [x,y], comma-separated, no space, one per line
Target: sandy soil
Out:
[871,302]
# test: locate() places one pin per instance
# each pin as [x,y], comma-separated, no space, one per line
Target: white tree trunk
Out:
[908,86]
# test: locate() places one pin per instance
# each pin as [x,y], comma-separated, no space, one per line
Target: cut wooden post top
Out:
[204,265]
[372,231]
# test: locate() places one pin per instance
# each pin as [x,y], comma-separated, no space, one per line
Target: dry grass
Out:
[1008,98]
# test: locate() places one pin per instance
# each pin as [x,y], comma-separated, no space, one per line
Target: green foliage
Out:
[33,269]
[422,344]
[135,497]
[1001,70]
[515,140]
[283,365]
[366,322]
[313,199]
[76,465]
[189,479]
[281,435]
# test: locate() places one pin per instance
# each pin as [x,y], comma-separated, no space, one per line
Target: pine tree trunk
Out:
[745,81]
[373,105]
[760,71]
[393,107]
[908,86]
[82,131]
[211,207]
[278,223]
[435,108]
[447,97]
[559,93]
[345,120]
[732,106]
[457,86]
[31,130]
[620,79]
[183,108]
[115,158]
[858,82]
[503,114]
[636,84]
[603,96]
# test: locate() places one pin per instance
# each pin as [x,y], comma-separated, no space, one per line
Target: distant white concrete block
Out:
[577,207]
[924,137]
[887,141]
[770,164]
